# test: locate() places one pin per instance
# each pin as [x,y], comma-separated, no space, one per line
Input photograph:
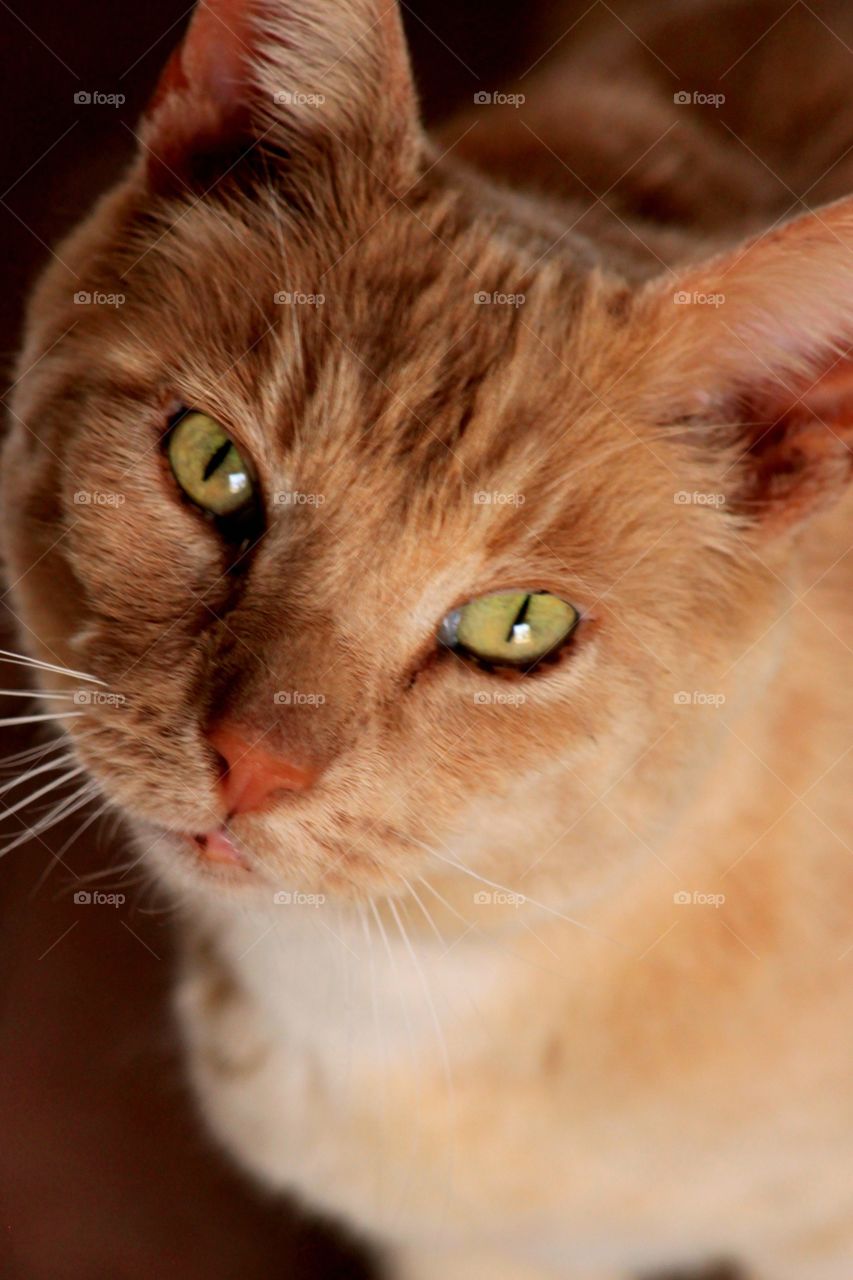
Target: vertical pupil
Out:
[519,631]
[216,459]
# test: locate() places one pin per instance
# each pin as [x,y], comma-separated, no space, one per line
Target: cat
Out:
[451,537]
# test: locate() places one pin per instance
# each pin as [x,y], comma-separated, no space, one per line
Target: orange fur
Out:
[606,1079]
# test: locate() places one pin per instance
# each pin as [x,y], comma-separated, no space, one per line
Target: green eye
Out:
[511,628]
[208,467]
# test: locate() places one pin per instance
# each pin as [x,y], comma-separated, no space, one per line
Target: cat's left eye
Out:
[510,628]
[209,467]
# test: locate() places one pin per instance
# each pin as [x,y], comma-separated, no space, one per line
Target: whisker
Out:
[449,906]
[57,856]
[442,1045]
[426,914]
[9,721]
[84,826]
[382,1045]
[23,660]
[56,763]
[542,906]
[33,753]
[35,693]
[120,870]
[439,1031]
[416,1132]
[36,795]
[63,810]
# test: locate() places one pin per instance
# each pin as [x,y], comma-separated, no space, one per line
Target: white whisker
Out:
[35,693]
[33,753]
[11,721]
[416,1131]
[424,912]
[449,906]
[63,810]
[78,833]
[57,857]
[56,763]
[23,660]
[442,1045]
[541,906]
[36,795]
[439,1031]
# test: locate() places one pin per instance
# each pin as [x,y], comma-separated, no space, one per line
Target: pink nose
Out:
[252,773]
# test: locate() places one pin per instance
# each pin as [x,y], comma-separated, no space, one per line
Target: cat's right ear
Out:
[304,83]
[755,351]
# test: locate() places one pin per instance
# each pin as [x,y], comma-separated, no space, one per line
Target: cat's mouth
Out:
[217,853]
[221,848]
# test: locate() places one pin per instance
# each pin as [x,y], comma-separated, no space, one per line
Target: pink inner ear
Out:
[800,446]
[830,399]
[212,57]
[201,104]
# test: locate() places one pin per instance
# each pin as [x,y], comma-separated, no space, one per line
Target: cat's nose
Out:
[252,774]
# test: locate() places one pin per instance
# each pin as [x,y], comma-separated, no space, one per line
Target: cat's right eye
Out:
[516,629]
[209,468]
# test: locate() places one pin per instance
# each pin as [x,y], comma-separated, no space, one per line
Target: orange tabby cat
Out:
[458,563]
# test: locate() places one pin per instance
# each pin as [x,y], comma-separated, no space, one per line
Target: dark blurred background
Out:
[105,1171]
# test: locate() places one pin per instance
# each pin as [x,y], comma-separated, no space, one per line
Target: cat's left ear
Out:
[759,362]
[305,82]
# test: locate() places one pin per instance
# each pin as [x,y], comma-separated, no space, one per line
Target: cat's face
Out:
[411,448]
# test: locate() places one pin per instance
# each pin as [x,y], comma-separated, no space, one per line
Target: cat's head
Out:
[398,528]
